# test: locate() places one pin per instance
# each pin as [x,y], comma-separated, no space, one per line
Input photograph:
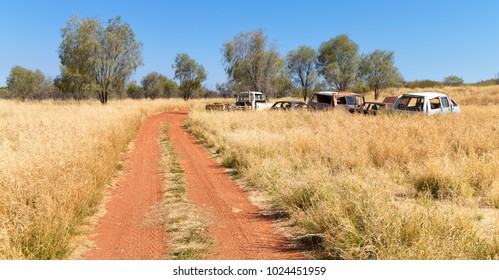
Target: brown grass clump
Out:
[384,187]
[56,159]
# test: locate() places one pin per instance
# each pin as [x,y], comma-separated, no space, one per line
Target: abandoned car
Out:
[248,100]
[288,105]
[372,107]
[428,103]
[324,100]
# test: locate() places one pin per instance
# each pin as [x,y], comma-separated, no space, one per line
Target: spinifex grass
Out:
[56,159]
[384,187]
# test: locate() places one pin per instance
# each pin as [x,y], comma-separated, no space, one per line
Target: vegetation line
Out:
[187,226]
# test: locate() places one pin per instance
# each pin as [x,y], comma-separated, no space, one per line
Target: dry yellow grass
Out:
[384,187]
[56,159]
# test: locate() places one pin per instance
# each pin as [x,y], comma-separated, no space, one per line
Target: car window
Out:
[445,102]
[351,100]
[341,100]
[321,98]
[435,103]
[410,103]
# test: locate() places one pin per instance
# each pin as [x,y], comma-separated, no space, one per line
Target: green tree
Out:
[378,71]
[153,85]
[22,82]
[189,74]
[134,91]
[338,62]
[98,58]
[453,81]
[282,84]
[170,88]
[251,62]
[301,66]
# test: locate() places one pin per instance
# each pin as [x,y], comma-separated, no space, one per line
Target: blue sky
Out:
[431,39]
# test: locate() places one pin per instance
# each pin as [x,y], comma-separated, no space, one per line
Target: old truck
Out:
[427,103]
[324,100]
[247,100]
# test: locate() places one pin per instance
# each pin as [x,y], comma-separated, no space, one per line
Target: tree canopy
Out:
[378,71]
[97,58]
[251,62]
[189,73]
[453,81]
[22,82]
[338,62]
[301,66]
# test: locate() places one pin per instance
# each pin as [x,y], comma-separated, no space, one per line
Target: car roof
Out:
[342,93]
[424,94]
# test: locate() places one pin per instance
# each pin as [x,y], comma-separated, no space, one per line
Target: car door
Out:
[455,108]
[444,101]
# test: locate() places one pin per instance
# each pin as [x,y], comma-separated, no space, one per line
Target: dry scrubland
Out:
[384,187]
[56,160]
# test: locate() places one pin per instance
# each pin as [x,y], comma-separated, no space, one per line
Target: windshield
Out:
[260,97]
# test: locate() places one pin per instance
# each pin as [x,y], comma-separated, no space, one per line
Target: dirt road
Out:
[239,230]
[124,233]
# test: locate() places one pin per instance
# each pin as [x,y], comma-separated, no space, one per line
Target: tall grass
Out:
[56,159]
[384,187]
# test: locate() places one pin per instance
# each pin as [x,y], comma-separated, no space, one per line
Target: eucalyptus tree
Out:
[251,62]
[134,91]
[453,81]
[301,66]
[22,82]
[189,73]
[338,62]
[98,58]
[152,85]
[378,70]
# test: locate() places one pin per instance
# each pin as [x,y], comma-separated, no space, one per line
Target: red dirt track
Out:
[239,230]
[123,233]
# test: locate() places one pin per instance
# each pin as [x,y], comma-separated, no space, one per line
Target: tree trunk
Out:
[376,94]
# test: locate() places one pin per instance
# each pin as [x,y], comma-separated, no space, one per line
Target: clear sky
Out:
[431,39]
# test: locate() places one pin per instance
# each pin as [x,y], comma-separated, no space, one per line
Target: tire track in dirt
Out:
[124,232]
[240,231]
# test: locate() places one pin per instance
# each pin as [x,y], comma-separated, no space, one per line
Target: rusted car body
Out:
[325,100]
[288,105]
[428,103]
[373,108]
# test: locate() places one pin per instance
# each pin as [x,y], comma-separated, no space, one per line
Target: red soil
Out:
[123,232]
[239,230]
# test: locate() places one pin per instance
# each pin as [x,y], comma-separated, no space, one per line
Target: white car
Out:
[428,103]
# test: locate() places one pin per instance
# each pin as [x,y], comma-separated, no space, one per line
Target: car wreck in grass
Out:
[325,100]
[374,107]
[428,103]
[288,105]
[248,100]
